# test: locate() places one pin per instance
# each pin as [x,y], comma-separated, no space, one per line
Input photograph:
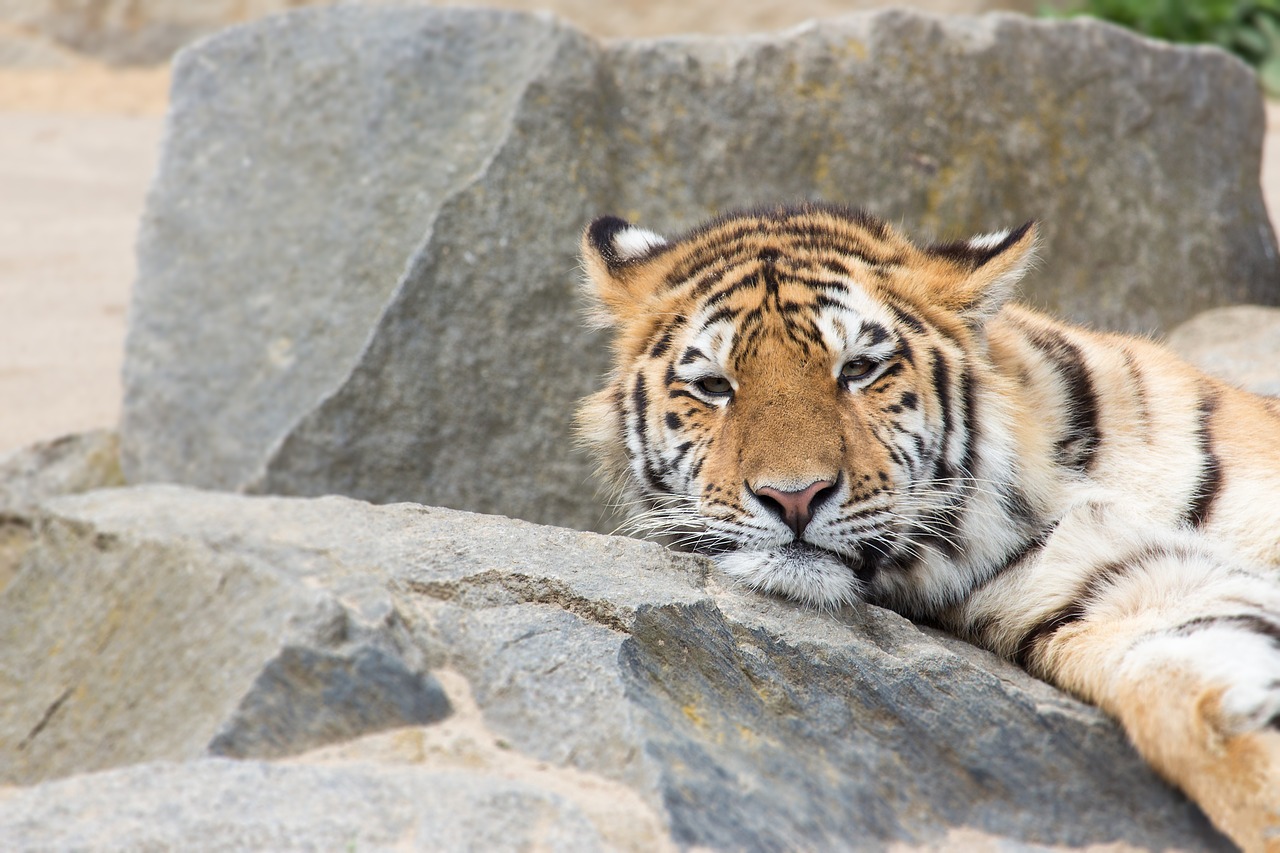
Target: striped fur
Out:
[841,415]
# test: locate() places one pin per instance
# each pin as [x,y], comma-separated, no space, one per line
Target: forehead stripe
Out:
[663,344]
[749,279]
[875,331]
[730,245]
[693,354]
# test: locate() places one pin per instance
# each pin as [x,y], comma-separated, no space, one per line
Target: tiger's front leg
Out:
[1159,629]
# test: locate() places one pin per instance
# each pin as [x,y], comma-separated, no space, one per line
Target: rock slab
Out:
[154,625]
[357,266]
[1240,343]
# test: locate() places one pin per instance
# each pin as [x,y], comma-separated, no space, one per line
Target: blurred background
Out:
[83,91]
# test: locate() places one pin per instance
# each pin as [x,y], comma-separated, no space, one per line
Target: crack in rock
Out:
[497,589]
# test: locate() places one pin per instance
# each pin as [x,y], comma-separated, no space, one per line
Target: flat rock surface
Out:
[159,624]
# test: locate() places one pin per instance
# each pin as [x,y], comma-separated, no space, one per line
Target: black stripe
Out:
[823,301]
[640,401]
[819,285]
[889,372]
[1253,623]
[769,273]
[942,525]
[693,354]
[1020,555]
[1017,504]
[905,352]
[697,466]
[965,254]
[1047,627]
[1075,610]
[748,279]
[906,318]
[793,222]
[722,314]
[1139,392]
[942,386]
[968,390]
[879,334]
[1081,436]
[1209,482]
[661,346]
[702,285]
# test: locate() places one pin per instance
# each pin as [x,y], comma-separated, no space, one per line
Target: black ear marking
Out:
[600,234]
[618,243]
[974,253]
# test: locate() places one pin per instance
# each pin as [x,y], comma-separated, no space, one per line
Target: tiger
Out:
[837,413]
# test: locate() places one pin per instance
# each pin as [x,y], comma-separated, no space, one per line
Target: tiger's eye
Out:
[714,386]
[857,368]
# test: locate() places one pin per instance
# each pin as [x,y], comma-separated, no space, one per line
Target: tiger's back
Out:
[839,414]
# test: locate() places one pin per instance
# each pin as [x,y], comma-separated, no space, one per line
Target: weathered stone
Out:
[64,466]
[148,31]
[117,647]
[1240,344]
[233,805]
[739,721]
[357,266]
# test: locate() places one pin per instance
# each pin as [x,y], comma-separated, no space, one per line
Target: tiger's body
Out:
[840,415]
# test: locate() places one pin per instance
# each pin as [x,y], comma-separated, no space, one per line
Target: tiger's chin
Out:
[801,572]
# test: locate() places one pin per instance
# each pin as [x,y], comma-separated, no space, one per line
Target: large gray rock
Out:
[357,267]
[1240,344]
[725,719]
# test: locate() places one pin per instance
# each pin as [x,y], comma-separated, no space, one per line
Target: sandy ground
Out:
[77,150]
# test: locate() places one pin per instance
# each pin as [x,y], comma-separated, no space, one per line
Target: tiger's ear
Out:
[618,259]
[985,270]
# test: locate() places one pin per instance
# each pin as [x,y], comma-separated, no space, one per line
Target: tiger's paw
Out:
[1241,793]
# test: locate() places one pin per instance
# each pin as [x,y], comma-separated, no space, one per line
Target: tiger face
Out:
[793,390]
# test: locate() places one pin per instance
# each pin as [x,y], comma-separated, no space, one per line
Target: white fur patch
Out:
[989,241]
[1243,662]
[808,576]
[631,243]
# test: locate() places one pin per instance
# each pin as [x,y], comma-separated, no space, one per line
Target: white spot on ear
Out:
[989,241]
[631,243]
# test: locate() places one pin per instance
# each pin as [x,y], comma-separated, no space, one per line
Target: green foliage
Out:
[1248,28]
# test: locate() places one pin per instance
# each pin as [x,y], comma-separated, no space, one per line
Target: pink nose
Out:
[795,508]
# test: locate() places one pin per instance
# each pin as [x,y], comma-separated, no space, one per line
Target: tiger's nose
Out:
[795,508]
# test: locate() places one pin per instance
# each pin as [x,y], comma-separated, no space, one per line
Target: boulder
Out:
[538,681]
[62,466]
[358,261]
[1240,344]
[150,31]
[67,465]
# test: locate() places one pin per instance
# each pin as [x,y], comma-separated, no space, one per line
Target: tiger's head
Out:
[793,389]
